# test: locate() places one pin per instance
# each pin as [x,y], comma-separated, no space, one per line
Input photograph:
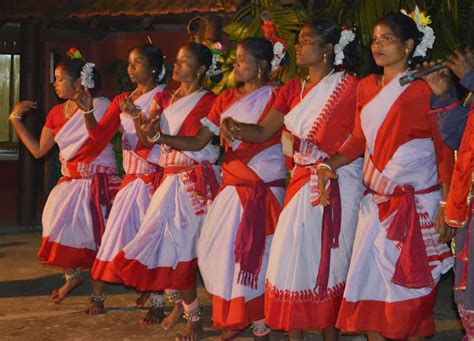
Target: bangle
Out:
[325,166]
[136,111]
[15,116]
[442,203]
[90,111]
[155,137]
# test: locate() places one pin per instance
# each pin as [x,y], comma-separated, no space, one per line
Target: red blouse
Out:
[339,124]
[408,119]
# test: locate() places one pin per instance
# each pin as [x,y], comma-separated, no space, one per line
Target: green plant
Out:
[451,21]
[286,19]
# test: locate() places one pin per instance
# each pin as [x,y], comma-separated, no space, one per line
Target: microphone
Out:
[418,74]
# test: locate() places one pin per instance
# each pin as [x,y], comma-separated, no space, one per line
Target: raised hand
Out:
[439,81]
[461,62]
[127,106]
[22,107]
[150,127]
[83,98]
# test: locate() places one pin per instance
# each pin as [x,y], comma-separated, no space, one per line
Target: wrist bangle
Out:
[15,116]
[442,203]
[325,166]
[136,111]
[90,111]
[155,137]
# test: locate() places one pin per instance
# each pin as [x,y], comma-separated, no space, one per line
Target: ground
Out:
[27,313]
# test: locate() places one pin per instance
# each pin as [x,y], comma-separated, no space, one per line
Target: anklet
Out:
[174,297]
[156,300]
[194,315]
[259,329]
[97,298]
[69,278]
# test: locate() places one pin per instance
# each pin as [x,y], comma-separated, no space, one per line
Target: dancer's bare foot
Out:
[192,332]
[60,294]
[173,317]
[95,308]
[142,299]
[153,316]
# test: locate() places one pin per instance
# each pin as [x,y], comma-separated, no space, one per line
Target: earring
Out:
[325,58]
[406,51]
[259,74]
[153,71]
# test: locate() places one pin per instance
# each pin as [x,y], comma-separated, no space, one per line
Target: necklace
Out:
[177,90]
[382,79]
[133,93]
[307,79]
[66,114]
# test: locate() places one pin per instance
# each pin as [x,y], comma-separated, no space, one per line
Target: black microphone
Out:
[418,74]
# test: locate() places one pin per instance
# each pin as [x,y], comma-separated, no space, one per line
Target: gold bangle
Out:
[155,137]
[325,166]
[90,111]
[442,203]
[15,116]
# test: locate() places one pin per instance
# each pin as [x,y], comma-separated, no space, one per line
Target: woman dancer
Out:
[73,220]
[142,172]
[398,255]
[311,247]
[163,253]
[250,195]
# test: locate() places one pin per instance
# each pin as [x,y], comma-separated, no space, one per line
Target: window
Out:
[9,96]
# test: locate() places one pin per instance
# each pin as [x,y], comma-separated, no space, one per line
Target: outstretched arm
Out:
[37,148]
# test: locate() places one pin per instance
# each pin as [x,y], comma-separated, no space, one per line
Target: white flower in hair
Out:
[87,73]
[426,43]
[422,21]
[162,73]
[347,36]
[278,55]
[214,69]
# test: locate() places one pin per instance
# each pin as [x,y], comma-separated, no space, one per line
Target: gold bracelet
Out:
[90,111]
[15,116]
[442,203]
[325,166]
[155,137]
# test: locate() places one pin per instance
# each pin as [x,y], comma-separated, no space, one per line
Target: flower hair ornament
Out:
[422,21]
[269,33]
[73,53]
[217,51]
[87,73]
[162,74]
[347,36]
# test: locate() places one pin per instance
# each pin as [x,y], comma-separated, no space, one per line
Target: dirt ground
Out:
[27,313]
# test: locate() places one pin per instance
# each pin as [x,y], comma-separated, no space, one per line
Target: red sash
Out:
[260,209]
[331,222]
[412,269]
[101,194]
[202,176]
[154,179]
